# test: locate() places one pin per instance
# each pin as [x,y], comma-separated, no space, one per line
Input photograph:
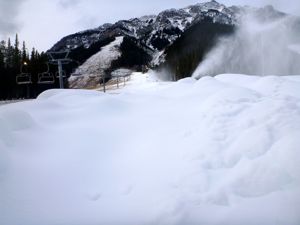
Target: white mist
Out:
[260,46]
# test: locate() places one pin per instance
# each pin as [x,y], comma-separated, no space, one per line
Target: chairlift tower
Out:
[60,58]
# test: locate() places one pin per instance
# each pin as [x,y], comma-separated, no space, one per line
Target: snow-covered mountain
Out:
[153,29]
[150,40]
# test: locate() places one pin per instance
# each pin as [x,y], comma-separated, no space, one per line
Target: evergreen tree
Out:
[184,55]
[16,54]
[11,59]
[1,62]
[33,55]
[16,45]
[2,71]
[24,53]
[9,54]
[2,56]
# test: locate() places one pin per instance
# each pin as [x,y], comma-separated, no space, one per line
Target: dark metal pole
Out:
[61,79]
[103,83]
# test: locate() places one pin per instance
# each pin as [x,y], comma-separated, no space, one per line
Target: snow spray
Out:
[263,44]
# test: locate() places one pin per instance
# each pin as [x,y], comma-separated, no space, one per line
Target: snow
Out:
[88,74]
[122,72]
[3,102]
[158,58]
[222,150]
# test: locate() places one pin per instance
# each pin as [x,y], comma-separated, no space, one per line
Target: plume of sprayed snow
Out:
[260,46]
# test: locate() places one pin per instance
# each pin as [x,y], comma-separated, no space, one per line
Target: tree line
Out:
[16,59]
[185,54]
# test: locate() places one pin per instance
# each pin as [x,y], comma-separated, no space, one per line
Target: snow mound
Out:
[58,94]
[220,150]
[15,119]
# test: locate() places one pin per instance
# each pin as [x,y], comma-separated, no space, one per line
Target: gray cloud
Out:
[68,3]
[44,22]
[9,10]
[291,6]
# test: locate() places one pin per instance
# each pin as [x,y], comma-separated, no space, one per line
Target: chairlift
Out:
[121,73]
[23,78]
[46,77]
[63,74]
[60,58]
[59,55]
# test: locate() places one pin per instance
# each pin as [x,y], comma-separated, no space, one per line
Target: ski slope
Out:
[89,73]
[222,150]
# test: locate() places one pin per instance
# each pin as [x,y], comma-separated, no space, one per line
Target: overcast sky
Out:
[41,23]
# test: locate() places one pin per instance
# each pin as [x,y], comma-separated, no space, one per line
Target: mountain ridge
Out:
[139,27]
[154,35]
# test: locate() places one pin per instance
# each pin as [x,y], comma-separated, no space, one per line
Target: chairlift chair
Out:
[46,78]
[121,73]
[23,78]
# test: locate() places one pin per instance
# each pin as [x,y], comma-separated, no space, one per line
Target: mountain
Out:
[153,41]
[154,31]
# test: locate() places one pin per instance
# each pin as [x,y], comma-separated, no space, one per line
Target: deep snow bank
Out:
[221,150]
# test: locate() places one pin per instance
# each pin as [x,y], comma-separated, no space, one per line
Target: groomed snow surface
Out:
[221,150]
